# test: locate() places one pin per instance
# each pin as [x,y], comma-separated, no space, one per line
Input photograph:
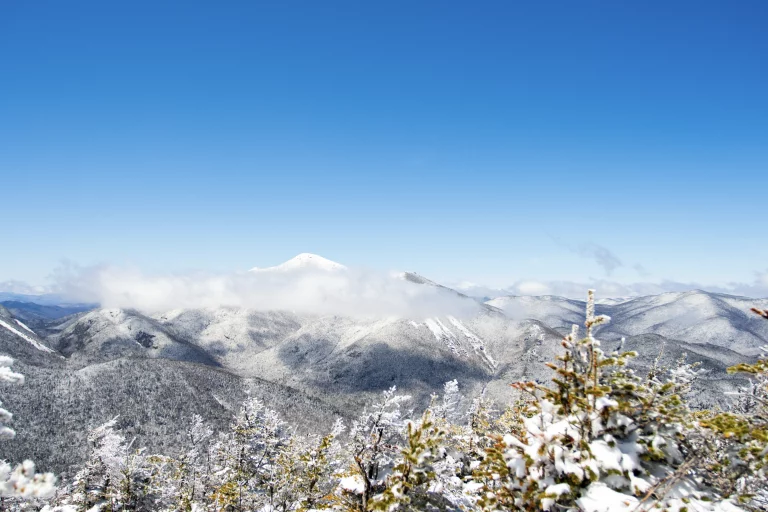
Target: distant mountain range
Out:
[45,299]
[34,313]
[85,366]
[697,317]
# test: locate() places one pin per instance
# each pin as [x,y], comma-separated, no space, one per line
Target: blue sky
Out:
[486,141]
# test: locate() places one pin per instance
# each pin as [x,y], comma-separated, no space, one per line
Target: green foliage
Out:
[596,422]
[407,487]
[738,439]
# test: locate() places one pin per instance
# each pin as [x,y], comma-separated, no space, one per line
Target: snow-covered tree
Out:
[9,376]
[181,482]
[245,462]
[114,476]
[599,439]
[306,469]
[448,407]
[20,482]
[374,438]
[411,485]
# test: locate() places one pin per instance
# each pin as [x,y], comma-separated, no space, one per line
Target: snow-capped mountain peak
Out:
[304,261]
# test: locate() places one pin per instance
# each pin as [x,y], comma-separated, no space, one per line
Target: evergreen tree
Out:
[245,462]
[374,438]
[599,438]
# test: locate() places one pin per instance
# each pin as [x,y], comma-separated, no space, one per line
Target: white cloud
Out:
[533,288]
[350,292]
[21,288]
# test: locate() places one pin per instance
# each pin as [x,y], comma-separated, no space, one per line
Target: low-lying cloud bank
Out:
[348,292]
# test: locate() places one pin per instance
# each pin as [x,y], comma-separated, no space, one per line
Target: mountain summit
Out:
[304,261]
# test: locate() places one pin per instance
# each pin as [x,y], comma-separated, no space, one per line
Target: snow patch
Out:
[32,341]
[353,484]
[24,326]
[477,344]
[432,326]
[601,498]
[304,261]
[444,335]
[457,343]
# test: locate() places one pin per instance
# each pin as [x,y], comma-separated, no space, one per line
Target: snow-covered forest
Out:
[597,437]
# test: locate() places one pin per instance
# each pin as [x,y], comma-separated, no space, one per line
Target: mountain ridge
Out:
[340,363]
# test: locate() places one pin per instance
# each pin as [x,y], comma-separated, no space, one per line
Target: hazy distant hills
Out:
[31,311]
[696,317]
[156,370]
[47,299]
[41,315]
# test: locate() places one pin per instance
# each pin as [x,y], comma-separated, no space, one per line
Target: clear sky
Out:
[484,141]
